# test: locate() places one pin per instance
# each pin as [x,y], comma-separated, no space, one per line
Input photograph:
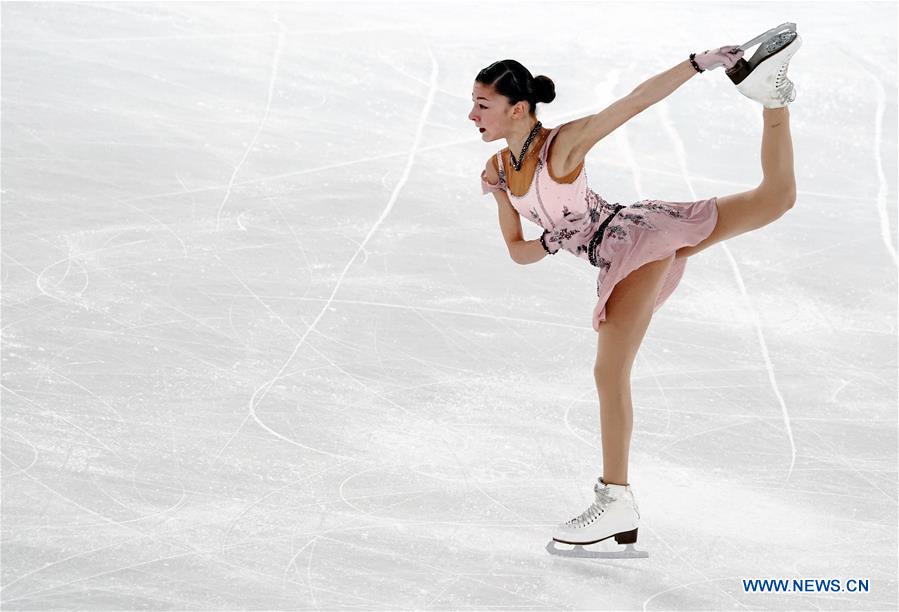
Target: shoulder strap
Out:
[549,139]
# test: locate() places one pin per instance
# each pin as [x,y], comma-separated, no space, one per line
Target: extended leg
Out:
[743,212]
[777,153]
[628,313]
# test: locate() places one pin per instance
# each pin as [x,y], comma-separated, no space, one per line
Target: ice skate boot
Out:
[613,513]
[764,77]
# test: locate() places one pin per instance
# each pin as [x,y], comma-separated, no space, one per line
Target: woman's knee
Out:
[744,212]
[612,373]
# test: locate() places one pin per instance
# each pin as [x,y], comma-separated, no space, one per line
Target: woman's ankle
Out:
[775,113]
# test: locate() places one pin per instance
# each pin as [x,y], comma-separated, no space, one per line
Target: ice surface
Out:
[264,348]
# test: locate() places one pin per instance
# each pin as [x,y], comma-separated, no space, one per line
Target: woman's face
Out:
[488,111]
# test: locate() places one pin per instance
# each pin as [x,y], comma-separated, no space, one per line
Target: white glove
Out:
[723,56]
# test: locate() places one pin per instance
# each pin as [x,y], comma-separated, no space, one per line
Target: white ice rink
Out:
[264,347]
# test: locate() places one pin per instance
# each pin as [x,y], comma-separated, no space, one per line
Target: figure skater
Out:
[640,250]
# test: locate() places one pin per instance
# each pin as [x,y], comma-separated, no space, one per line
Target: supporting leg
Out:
[628,313]
[616,415]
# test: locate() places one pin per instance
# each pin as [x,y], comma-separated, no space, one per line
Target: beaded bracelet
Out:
[695,65]
[543,242]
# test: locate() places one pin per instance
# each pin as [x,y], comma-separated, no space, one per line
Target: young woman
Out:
[640,250]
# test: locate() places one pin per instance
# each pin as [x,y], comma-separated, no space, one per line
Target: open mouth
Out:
[482,130]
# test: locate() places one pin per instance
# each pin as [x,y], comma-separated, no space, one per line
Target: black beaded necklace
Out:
[524,149]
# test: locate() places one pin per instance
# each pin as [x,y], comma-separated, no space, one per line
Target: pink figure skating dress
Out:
[615,239]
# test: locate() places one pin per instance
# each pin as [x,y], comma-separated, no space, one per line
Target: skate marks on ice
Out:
[868,68]
[578,551]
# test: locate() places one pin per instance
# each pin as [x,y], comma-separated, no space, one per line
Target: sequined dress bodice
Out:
[570,212]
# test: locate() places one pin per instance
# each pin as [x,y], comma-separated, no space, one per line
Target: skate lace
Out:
[603,498]
[782,84]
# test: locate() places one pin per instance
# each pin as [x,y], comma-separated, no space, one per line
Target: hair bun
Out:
[545,89]
[516,83]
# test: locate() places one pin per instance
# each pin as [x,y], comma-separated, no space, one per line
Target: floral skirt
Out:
[643,232]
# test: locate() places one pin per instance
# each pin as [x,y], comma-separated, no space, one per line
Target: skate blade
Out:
[784,27]
[763,53]
[766,35]
[744,70]
[579,551]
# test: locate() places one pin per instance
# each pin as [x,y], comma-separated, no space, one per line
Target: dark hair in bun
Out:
[512,80]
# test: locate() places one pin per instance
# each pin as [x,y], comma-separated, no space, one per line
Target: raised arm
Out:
[662,85]
[581,135]
[577,137]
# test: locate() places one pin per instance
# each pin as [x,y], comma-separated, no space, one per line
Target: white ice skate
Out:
[764,77]
[613,513]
